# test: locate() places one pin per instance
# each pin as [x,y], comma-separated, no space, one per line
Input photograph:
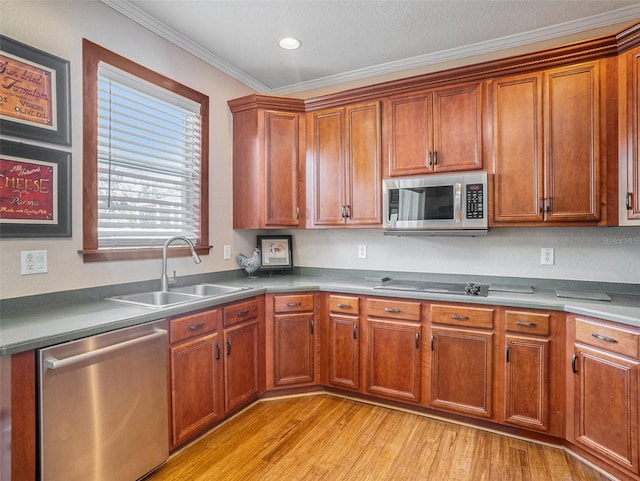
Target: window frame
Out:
[92,55]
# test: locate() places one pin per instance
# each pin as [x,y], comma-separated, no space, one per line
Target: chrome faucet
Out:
[196,258]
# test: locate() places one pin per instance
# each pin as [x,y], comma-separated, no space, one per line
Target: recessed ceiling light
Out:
[289,43]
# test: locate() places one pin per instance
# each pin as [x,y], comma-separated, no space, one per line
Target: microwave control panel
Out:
[475,201]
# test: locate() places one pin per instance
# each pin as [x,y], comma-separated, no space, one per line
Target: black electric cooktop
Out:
[463,289]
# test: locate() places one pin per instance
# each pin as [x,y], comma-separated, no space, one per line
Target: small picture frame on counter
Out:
[275,252]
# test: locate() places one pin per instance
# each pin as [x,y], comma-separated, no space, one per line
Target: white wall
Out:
[58,28]
[587,253]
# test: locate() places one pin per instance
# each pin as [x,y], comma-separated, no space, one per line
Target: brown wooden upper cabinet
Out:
[344,181]
[546,143]
[629,71]
[435,130]
[268,162]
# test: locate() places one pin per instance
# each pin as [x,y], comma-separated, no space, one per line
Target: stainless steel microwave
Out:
[450,204]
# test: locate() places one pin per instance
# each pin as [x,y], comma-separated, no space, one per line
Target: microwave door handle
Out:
[457,202]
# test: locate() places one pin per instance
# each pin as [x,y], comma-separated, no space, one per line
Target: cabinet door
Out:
[527,382]
[326,137]
[196,386]
[293,349]
[393,359]
[518,149]
[606,405]
[364,181]
[461,371]
[410,134]
[241,364]
[344,354]
[457,132]
[282,200]
[632,132]
[572,158]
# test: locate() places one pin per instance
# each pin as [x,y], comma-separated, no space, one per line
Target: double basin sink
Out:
[177,296]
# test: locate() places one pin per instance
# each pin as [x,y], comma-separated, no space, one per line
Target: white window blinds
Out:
[148,162]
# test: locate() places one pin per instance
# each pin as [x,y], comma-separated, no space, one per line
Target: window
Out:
[145,159]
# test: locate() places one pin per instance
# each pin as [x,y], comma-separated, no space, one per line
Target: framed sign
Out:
[34,93]
[275,252]
[35,191]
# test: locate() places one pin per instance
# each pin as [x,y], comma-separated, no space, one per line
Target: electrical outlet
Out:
[227,252]
[547,256]
[362,251]
[33,262]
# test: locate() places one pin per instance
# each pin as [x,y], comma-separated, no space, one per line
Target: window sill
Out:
[139,253]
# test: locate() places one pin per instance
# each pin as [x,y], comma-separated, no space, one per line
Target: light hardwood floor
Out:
[323,437]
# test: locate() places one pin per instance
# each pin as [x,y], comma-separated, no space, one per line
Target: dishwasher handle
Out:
[53,363]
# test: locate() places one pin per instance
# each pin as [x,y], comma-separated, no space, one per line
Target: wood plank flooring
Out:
[323,437]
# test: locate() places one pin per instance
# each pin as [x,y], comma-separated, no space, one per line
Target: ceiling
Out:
[344,40]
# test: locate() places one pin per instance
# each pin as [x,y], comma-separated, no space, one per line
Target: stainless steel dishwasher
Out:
[103,406]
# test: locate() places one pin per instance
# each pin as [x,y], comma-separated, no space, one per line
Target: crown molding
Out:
[621,15]
[150,23]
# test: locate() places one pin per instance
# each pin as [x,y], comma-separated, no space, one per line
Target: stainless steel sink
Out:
[180,295]
[208,290]
[156,298]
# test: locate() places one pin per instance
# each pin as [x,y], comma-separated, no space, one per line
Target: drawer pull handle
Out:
[508,352]
[574,364]
[311,325]
[294,304]
[526,324]
[344,306]
[392,310]
[458,317]
[603,338]
[355,332]
[243,313]
[196,327]
[228,347]
[417,341]
[217,351]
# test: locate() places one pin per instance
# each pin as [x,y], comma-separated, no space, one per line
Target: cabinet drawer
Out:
[293,303]
[193,325]
[393,309]
[344,304]
[462,316]
[610,338]
[240,312]
[527,322]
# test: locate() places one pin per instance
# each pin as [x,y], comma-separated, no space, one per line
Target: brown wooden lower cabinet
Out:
[394,350]
[462,371]
[196,370]
[343,341]
[293,335]
[605,369]
[462,362]
[241,377]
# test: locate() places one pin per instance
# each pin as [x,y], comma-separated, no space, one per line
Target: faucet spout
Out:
[164,281]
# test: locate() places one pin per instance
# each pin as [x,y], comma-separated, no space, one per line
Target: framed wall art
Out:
[35,191]
[275,252]
[34,94]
